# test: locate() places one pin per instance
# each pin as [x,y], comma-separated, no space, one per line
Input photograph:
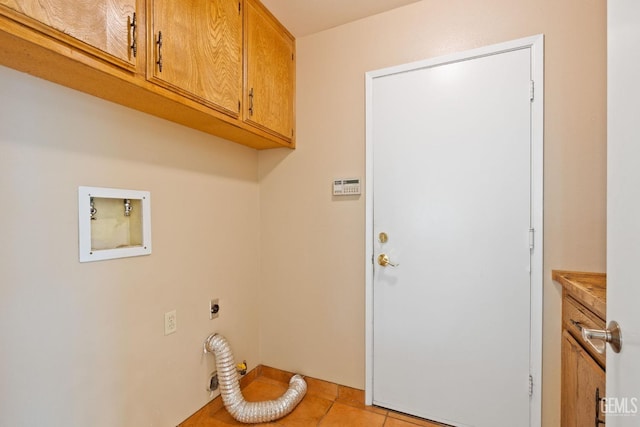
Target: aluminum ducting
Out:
[240,409]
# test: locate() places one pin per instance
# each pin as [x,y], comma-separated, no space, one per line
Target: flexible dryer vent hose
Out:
[240,409]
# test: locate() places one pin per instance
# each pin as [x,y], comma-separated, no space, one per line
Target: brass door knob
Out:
[384,261]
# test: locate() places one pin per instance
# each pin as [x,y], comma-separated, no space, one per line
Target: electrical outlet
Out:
[170,322]
[213,381]
[214,308]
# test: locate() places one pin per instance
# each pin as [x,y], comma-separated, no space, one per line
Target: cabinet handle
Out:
[134,35]
[578,325]
[159,43]
[251,102]
[598,421]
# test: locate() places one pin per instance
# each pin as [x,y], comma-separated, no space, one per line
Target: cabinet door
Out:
[197,50]
[270,73]
[104,28]
[583,381]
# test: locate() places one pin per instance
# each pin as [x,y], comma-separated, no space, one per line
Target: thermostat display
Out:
[346,187]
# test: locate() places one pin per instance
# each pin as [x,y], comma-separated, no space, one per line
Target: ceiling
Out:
[304,17]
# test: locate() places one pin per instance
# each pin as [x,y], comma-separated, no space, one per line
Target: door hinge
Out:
[530,385]
[532,232]
[531,90]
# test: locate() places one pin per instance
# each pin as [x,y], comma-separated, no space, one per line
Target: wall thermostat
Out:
[346,187]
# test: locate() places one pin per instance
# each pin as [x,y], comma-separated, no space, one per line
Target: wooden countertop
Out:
[588,288]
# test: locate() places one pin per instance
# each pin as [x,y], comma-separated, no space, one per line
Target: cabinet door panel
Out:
[582,378]
[569,382]
[269,93]
[201,50]
[102,24]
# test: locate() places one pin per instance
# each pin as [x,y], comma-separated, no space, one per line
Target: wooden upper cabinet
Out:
[196,50]
[225,67]
[269,73]
[102,28]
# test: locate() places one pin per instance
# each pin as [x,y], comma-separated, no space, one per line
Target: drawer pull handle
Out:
[577,324]
[611,335]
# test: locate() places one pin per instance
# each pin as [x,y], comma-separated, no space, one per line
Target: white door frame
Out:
[536,44]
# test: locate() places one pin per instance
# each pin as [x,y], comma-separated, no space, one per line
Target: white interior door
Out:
[451,154]
[623,211]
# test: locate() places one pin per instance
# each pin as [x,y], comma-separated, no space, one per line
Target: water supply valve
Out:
[242,367]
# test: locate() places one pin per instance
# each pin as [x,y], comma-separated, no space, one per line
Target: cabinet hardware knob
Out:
[251,102]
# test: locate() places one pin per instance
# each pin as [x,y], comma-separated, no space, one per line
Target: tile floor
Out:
[325,405]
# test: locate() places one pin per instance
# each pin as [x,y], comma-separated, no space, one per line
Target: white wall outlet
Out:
[214,308]
[170,322]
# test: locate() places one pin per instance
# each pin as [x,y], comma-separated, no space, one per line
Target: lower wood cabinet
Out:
[583,367]
[583,385]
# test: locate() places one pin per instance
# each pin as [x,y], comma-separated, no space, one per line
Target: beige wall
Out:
[83,344]
[312,246]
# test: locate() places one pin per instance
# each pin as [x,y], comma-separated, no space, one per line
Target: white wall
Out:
[313,246]
[83,344]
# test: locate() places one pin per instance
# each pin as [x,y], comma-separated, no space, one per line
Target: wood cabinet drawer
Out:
[574,317]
